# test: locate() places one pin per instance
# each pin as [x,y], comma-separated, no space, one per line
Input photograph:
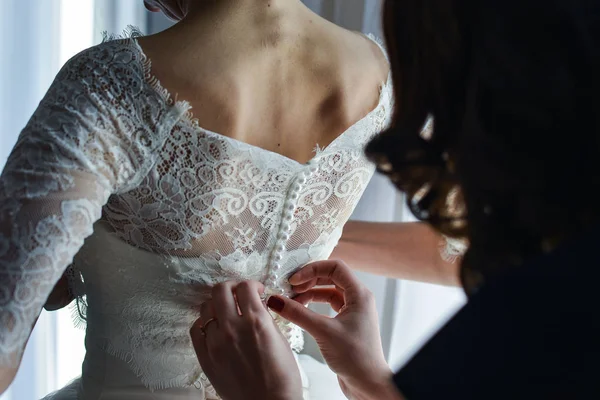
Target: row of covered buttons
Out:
[286,224]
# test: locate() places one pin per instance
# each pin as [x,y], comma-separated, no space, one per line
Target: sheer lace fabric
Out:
[167,209]
[84,143]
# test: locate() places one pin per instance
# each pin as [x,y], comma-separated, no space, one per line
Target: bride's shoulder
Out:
[114,63]
[376,56]
[365,55]
[365,67]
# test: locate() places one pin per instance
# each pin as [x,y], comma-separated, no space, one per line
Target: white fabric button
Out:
[277,257]
[294,196]
[276,266]
[279,248]
[284,236]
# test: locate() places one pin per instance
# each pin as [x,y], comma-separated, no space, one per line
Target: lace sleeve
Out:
[79,147]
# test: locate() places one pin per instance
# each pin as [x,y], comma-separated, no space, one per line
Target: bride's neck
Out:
[248,22]
[256,10]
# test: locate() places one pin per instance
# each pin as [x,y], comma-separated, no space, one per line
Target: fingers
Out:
[224,305]
[248,297]
[199,342]
[329,272]
[315,282]
[207,313]
[230,299]
[315,324]
[333,297]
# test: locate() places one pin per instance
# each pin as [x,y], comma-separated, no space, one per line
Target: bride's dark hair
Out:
[513,161]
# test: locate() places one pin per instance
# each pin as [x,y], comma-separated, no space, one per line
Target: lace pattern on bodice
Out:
[168,207]
[216,209]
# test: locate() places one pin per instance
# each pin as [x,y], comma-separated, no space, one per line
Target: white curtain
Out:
[38,36]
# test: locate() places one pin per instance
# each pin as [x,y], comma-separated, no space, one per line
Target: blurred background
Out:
[38,36]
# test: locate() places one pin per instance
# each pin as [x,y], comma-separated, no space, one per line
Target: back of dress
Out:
[171,208]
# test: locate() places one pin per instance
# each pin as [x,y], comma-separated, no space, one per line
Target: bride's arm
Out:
[8,373]
[59,298]
[404,250]
[51,193]
[84,142]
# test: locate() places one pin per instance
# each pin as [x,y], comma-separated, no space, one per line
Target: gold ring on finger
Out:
[206,324]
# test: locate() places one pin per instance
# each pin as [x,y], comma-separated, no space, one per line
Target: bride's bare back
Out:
[269,73]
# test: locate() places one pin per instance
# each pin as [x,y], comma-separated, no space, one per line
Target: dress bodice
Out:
[168,209]
[213,209]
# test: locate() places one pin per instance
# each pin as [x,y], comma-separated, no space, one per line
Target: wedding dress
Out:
[115,180]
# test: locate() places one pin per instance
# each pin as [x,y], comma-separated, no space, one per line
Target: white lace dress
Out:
[116,181]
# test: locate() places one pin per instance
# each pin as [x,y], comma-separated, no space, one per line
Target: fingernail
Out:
[293,280]
[275,303]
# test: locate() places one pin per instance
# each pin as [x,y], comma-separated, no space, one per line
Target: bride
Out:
[228,147]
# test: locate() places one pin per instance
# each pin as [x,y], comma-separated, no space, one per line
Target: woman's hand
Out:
[350,342]
[241,350]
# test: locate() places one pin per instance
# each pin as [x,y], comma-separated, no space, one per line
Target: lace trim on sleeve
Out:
[452,250]
[84,142]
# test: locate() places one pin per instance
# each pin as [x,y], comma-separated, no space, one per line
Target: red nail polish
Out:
[275,303]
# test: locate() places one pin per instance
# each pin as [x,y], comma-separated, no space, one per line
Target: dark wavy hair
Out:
[513,161]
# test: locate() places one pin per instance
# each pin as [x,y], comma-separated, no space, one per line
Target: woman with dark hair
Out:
[510,166]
